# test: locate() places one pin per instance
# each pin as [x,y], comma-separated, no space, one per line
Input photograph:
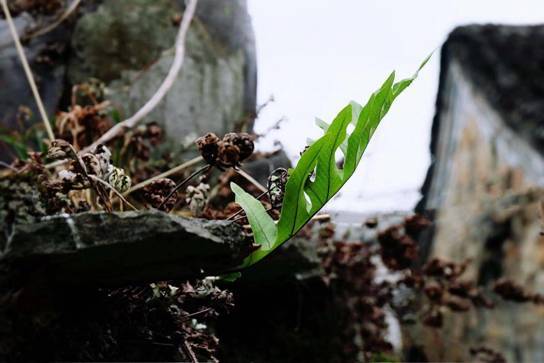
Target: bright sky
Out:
[314,56]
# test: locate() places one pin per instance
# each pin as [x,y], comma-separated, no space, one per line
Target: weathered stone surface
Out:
[116,249]
[49,76]
[297,259]
[129,44]
[121,35]
[505,62]
[487,144]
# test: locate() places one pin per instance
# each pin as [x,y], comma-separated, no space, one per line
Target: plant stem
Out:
[46,29]
[251,180]
[27,70]
[189,352]
[187,317]
[7,166]
[241,210]
[242,217]
[167,173]
[185,181]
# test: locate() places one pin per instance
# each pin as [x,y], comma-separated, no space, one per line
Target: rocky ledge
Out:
[121,248]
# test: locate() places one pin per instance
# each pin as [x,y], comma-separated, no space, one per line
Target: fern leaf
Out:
[316,177]
[263,226]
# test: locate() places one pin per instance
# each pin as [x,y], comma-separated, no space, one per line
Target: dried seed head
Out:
[510,291]
[103,154]
[59,149]
[117,179]
[157,191]
[228,152]
[434,291]
[208,146]
[243,141]
[229,155]
[93,90]
[72,178]
[153,133]
[398,250]
[276,186]
[124,183]
[197,197]
[68,180]
[246,145]
[67,176]
[92,164]
[415,224]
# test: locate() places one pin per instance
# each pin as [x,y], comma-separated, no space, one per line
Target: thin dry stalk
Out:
[46,29]
[28,71]
[241,210]
[205,168]
[7,166]
[250,179]
[188,351]
[166,174]
[164,87]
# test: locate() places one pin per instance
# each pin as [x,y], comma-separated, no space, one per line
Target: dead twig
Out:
[189,316]
[46,29]
[164,87]
[252,180]
[189,352]
[241,210]
[7,166]
[166,174]
[242,217]
[252,116]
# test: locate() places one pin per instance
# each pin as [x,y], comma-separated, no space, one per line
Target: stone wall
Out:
[478,159]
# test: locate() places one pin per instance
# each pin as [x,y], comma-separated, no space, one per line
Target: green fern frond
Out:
[305,196]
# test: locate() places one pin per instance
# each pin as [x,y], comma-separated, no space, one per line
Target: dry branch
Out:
[46,29]
[166,174]
[252,180]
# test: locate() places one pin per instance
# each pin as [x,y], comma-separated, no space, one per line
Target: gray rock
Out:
[297,259]
[14,88]
[129,44]
[116,249]
[486,145]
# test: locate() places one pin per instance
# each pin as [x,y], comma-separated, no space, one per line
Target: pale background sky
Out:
[314,56]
